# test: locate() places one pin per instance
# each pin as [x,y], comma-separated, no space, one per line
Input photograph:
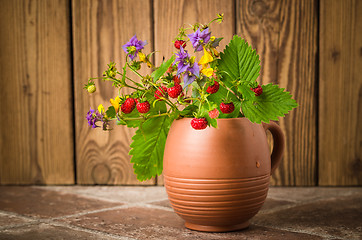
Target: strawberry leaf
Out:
[246,92]
[111,112]
[239,61]
[162,69]
[274,102]
[148,146]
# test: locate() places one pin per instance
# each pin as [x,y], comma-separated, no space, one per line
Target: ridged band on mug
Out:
[217,200]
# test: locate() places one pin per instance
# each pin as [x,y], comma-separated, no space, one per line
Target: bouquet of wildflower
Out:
[218,85]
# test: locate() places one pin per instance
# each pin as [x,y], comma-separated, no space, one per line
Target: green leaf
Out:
[148,146]
[158,107]
[246,92]
[274,102]
[162,69]
[239,62]
[111,112]
[187,111]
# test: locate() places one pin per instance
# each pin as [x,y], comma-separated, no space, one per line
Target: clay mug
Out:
[217,179]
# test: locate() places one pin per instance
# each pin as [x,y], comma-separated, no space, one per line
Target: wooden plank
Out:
[285,36]
[36,144]
[171,15]
[100,28]
[340,96]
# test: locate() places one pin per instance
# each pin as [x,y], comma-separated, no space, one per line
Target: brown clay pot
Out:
[218,179]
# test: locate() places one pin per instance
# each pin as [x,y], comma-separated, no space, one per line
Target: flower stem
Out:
[137,73]
[141,118]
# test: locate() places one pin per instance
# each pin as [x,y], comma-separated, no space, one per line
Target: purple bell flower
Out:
[199,38]
[133,46]
[187,66]
[94,116]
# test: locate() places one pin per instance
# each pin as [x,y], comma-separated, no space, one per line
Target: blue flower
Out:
[187,66]
[133,47]
[94,116]
[198,38]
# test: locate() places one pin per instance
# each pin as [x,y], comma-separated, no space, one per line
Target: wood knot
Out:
[258,8]
[356,167]
[101,173]
[335,54]
[258,164]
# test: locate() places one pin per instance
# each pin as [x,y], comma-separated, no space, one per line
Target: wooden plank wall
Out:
[36,144]
[312,48]
[98,33]
[340,93]
[285,36]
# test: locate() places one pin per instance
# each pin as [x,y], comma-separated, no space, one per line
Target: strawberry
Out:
[258,90]
[128,105]
[161,92]
[179,43]
[176,79]
[199,123]
[143,107]
[169,70]
[91,88]
[174,91]
[227,107]
[214,113]
[213,88]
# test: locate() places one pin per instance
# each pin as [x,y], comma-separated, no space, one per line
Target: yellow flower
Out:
[149,64]
[101,109]
[207,71]
[216,53]
[206,58]
[115,103]
[142,56]
[204,61]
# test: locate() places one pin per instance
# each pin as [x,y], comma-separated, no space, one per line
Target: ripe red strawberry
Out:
[213,88]
[176,80]
[227,107]
[161,92]
[179,43]
[258,90]
[174,91]
[199,123]
[128,105]
[143,107]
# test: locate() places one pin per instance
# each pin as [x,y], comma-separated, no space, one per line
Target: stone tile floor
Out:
[99,212]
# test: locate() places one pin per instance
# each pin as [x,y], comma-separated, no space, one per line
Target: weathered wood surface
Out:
[36,143]
[100,28]
[171,15]
[340,93]
[285,36]
[38,49]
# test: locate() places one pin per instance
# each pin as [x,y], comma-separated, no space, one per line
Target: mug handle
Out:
[279,144]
